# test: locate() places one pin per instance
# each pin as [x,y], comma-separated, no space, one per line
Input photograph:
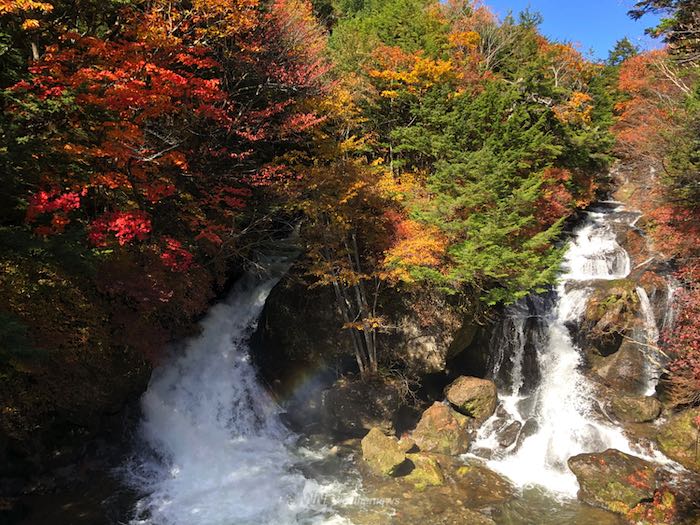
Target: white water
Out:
[563,403]
[215,451]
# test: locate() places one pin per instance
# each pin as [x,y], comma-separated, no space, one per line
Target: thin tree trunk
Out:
[356,342]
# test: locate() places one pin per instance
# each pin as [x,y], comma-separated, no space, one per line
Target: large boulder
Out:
[624,371]
[613,480]
[635,409]
[302,324]
[428,329]
[443,431]
[473,397]
[383,453]
[426,472]
[679,438]
[611,312]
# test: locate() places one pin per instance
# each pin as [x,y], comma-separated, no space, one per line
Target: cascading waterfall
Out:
[214,450]
[559,411]
[649,341]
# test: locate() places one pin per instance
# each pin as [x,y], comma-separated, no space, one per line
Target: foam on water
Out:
[214,451]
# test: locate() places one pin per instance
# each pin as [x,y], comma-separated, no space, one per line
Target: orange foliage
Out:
[415,245]
[646,114]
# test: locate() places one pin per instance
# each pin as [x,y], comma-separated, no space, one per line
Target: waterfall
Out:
[213,448]
[649,340]
[561,408]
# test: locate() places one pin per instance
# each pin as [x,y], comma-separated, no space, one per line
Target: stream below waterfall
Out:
[212,449]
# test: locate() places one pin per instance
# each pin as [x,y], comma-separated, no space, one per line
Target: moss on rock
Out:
[473,397]
[426,472]
[679,438]
[383,452]
[443,431]
[613,480]
[635,409]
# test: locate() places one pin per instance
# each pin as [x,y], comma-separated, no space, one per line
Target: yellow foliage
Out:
[577,110]
[8,7]
[413,72]
[30,23]
[465,39]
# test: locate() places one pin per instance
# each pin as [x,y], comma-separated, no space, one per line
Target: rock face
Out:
[635,409]
[349,408]
[613,480]
[303,324]
[623,371]
[346,409]
[473,397]
[679,438]
[383,453]
[443,431]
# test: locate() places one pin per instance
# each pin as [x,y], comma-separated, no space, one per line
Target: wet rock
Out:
[613,480]
[383,452]
[481,487]
[635,409]
[509,435]
[610,314]
[624,370]
[426,472]
[530,428]
[443,431]
[679,438]
[473,397]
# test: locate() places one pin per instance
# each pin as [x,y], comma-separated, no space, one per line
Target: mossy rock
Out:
[473,397]
[383,453]
[635,409]
[426,472]
[442,430]
[610,314]
[613,480]
[679,438]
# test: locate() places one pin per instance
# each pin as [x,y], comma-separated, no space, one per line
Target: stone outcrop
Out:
[613,480]
[303,324]
[442,430]
[610,315]
[473,397]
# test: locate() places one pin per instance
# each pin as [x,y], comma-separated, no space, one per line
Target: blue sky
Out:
[593,24]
